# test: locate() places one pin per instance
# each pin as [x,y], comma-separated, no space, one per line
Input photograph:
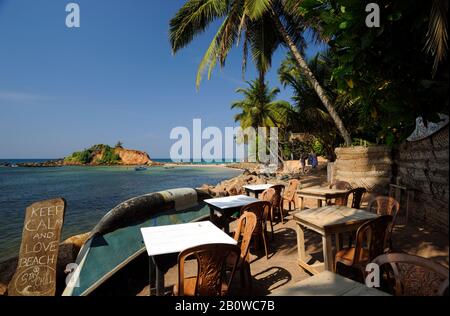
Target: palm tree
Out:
[259,107]
[253,22]
[310,115]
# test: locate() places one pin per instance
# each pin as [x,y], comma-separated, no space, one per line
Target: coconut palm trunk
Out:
[312,79]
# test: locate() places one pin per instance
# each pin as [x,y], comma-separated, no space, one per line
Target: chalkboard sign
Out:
[36,269]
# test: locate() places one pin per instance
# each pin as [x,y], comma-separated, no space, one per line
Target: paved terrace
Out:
[281,269]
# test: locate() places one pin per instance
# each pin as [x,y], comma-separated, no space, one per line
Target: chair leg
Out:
[265,244]
[271,223]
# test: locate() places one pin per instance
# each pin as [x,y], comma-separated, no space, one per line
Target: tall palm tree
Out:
[310,115]
[253,22]
[259,107]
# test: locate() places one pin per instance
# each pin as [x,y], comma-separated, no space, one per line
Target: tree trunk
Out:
[312,79]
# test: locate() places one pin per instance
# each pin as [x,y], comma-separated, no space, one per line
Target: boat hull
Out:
[116,240]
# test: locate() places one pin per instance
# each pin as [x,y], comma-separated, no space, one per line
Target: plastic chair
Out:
[371,239]
[385,205]
[409,275]
[261,209]
[243,235]
[290,195]
[211,279]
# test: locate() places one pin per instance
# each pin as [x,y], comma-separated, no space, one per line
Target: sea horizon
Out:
[90,192]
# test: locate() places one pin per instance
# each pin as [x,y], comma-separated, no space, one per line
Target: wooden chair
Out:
[289,196]
[371,239]
[243,235]
[385,205]
[357,197]
[211,278]
[409,275]
[261,209]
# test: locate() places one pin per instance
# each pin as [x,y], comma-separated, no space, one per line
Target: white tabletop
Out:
[161,240]
[231,201]
[328,284]
[258,187]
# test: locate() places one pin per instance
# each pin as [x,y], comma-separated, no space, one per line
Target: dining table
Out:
[172,239]
[256,189]
[228,206]
[320,194]
[327,221]
[328,283]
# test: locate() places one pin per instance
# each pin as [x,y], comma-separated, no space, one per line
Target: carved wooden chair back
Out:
[211,268]
[410,275]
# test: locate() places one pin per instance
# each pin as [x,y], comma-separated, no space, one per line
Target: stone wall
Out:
[423,166]
[368,167]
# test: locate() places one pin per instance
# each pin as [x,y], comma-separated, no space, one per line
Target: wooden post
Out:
[36,269]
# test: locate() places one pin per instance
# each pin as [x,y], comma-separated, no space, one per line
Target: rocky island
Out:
[99,155]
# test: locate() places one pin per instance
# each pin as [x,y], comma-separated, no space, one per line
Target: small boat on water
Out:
[116,241]
[140,168]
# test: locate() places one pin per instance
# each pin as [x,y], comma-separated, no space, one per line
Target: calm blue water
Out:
[90,193]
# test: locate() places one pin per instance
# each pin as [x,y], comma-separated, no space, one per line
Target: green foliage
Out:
[259,107]
[108,156]
[247,22]
[82,157]
[295,149]
[385,71]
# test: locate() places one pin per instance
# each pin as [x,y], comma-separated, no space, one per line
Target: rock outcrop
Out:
[128,157]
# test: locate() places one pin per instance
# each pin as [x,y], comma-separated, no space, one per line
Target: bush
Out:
[86,156]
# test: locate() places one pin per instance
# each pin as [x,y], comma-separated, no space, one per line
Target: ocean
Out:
[90,192]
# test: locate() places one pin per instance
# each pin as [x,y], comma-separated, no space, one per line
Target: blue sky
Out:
[114,78]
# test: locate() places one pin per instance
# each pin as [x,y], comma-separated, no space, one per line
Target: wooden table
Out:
[320,194]
[328,284]
[162,240]
[227,206]
[256,189]
[327,221]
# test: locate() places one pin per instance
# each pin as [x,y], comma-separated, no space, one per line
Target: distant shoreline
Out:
[54,163]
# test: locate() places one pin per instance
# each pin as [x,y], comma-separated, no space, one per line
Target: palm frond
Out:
[437,42]
[193,18]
